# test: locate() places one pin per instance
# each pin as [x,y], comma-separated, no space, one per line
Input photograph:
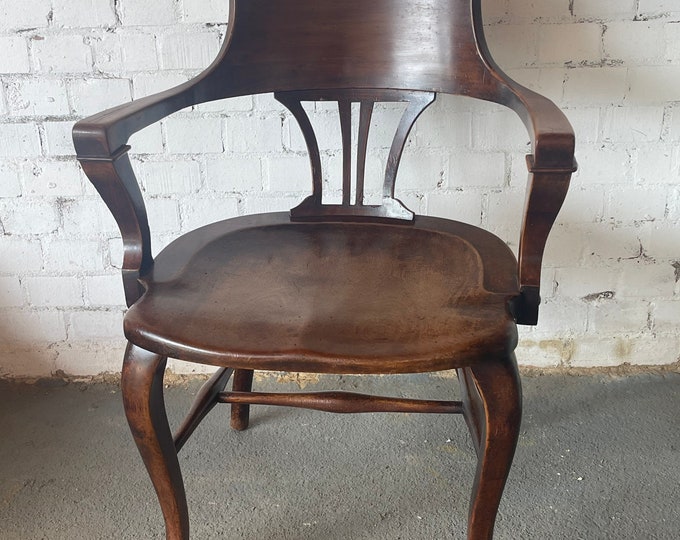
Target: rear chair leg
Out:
[142,387]
[240,414]
[493,405]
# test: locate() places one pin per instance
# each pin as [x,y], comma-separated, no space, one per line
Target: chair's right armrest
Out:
[101,148]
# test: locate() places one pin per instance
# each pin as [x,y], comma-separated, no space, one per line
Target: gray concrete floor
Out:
[599,458]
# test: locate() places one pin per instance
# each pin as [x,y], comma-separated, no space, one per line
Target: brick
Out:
[459,205]
[24,15]
[561,317]
[236,174]
[188,50]
[636,204]
[654,83]
[72,256]
[288,174]
[539,10]
[478,169]
[169,177]
[602,165]
[646,280]
[504,209]
[606,242]
[582,282]
[83,13]
[421,172]
[564,246]
[90,358]
[543,353]
[664,242]
[194,135]
[617,350]
[58,139]
[61,54]
[633,124]
[54,291]
[147,141]
[524,38]
[11,294]
[90,96]
[87,218]
[582,205]
[19,255]
[125,51]
[547,81]
[611,316]
[657,164]
[104,290]
[53,178]
[198,212]
[15,360]
[634,42]
[14,58]
[595,86]
[34,327]
[499,131]
[163,215]
[648,8]
[96,325]
[672,39]
[569,43]
[37,97]
[666,316]
[202,11]
[254,134]
[446,130]
[134,13]
[604,9]
[19,140]
[30,217]
[10,185]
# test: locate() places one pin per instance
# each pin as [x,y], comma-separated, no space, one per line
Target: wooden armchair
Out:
[334,288]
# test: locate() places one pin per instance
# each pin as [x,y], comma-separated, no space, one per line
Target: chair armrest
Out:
[101,148]
[550,167]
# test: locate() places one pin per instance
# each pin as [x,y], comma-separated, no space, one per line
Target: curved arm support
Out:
[545,194]
[116,183]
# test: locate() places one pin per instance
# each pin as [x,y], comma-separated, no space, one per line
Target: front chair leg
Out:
[495,402]
[142,386]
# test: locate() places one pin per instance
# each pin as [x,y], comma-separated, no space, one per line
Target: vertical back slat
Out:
[365,114]
[345,109]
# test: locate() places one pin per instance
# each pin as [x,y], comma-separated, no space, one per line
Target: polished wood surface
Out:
[334,288]
[328,297]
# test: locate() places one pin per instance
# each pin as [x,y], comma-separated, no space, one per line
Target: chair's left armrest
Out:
[550,167]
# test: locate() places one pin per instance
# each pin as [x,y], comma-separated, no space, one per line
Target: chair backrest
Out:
[354,51]
[431,45]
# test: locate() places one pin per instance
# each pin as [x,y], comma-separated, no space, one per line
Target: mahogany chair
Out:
[334,288]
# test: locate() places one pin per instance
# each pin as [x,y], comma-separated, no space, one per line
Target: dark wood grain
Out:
[335,288]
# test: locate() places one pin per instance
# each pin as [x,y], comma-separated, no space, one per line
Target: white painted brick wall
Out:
[611,282]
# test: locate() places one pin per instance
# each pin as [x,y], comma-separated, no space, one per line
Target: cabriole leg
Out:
[240,414]
[495,407]
[142,387]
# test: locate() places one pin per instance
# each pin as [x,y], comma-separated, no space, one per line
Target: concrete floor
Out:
[599,458]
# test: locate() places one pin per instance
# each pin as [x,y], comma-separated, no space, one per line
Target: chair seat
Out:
[262,292]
